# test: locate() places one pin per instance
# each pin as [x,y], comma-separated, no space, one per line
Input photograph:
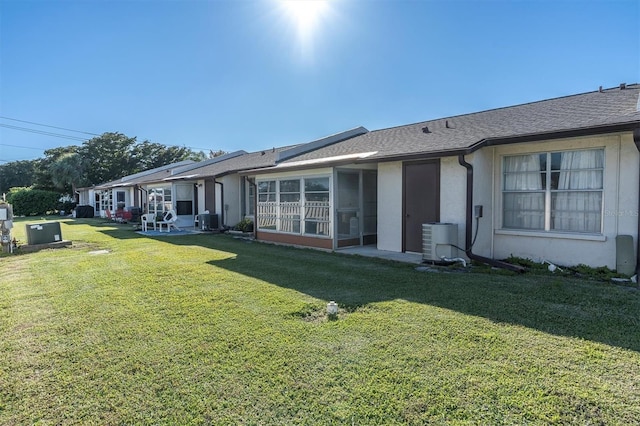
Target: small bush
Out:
[245,225]
[600,273]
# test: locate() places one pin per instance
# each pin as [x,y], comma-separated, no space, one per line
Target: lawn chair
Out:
[169,219]
[147,219]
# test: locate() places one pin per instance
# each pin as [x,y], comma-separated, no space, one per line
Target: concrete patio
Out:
[372,251]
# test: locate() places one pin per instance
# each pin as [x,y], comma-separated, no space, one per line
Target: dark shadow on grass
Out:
[593,311]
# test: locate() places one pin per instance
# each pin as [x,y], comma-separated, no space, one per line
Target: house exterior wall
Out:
[453,184]
[85,197]
[232,202]
[200,196]
[452,201]
[620,205]
[390,206]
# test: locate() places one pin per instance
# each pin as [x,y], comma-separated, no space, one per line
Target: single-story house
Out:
[127,191]
[218,189]
[223,191]
[554,180]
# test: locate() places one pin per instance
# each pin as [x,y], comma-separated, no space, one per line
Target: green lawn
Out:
[213,330]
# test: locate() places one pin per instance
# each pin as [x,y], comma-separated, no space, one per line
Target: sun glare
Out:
[305,13]
[306,16]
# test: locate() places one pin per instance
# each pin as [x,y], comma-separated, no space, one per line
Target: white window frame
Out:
[548,192]
[166,192]
[277,209]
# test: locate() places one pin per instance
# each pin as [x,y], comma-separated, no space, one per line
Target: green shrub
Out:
[66,206]
[245,225]
[600,273]
[31,202]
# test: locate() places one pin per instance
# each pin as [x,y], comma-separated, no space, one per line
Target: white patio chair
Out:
[169,219]
[148,218]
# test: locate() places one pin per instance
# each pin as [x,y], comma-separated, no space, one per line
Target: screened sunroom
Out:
[328,208]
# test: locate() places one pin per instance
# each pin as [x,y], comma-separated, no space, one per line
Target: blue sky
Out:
[236,74]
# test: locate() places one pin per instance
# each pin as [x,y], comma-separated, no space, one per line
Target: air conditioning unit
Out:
[438,240]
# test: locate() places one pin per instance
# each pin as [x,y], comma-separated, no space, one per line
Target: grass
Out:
[214,330]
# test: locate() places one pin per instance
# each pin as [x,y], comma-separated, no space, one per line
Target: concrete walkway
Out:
[372,251]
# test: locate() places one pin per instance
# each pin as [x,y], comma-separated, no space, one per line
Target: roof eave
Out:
[558,134]
[533,137]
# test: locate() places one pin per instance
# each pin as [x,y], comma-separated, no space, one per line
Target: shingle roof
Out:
[151,175]
[263,159]
[586,111]
[253,160]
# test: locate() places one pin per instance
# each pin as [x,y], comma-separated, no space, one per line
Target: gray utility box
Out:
[625,255]
[43,233]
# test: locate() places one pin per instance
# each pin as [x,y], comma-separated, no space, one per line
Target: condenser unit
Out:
[438,240]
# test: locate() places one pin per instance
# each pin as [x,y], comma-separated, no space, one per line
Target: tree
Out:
[67,172]
[149,155]
[218,153]
[17,174]
[43,177]
[102,159]
[108,157]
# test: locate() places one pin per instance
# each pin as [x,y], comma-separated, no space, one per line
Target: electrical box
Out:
[4,213]
[477,210]
[43,233]
[625,255]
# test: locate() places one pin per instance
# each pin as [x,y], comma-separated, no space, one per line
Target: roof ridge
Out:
[320,143]
[631,86]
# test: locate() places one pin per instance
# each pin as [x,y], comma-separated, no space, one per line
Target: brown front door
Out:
[421,198]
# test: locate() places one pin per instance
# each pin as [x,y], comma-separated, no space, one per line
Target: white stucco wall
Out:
[620,206]
[200,196]
[231,202]
[390,206]
[453,183]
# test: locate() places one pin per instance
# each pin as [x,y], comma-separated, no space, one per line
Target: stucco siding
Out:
[390,206]
[453,183]
[620,206]
[231,203]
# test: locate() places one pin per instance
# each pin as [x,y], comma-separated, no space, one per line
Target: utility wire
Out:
[42,132]
[24,147]
[59,135]
[46,125]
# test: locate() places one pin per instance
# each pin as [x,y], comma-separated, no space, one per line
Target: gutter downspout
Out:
[255,207]
[221,200]
[636,140]
[469,225]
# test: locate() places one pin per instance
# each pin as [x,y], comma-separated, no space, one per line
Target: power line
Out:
[70,137]
[53,127]
[16,160]
[24,147]
[42,132]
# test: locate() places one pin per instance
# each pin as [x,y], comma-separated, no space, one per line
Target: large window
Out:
[267,206]
[554,191]
[290,206]
[297,206]
[159,200]
[316,206]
